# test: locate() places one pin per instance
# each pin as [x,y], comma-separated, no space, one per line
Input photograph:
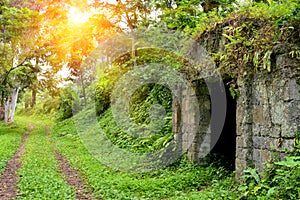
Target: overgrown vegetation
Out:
[244,42]
[279,180]
[180,178]
[248,34]
[39,175]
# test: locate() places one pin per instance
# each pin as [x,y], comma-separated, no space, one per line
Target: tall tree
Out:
[16,47]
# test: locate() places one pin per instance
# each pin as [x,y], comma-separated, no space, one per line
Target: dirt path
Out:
[72,177]
[9,178]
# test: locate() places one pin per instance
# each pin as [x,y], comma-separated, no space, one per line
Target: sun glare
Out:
[76,16]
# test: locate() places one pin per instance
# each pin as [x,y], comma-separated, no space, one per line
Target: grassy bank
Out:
[173,181]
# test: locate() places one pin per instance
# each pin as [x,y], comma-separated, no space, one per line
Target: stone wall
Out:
[191,119]
[267,114]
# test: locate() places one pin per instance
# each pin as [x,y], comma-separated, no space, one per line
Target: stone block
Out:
[291,91]
[265,156]
[243,141]
[260,93]
[269,143]
[256,155]
[275,131]
[239,129]
[247,129]
[260,142]
[266,130]
[256,129]
[288,130]
[277,110]
[273,144]
[247,117]
[283,61]
[240,165]
[239,114]
[287,145]
[258,115]
[242,154]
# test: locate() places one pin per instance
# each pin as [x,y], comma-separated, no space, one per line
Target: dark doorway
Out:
[223,153]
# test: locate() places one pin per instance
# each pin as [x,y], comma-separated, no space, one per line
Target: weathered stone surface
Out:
[265,156]
[288,130]
[242,153]
[258,115]
[240,165]
[243,141]
[267,113]
[260,93]
[275,131]
[277,112]
[256,154]
[284,60]
[292,91]
[260,143]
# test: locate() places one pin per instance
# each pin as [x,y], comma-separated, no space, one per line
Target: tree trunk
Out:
[14,100]
[2,112]
[10,106]
[7,108]
[33,98]
[83,89]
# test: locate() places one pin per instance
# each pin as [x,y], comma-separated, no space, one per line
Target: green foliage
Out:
[39,176]
[68,100]
[120,138]
[15,22]
[104,88]
[246,46]
[47,105]
[279,180]
[145,97]
[180,178]
[10,139]
[141,102]
[109,77]
[185,16]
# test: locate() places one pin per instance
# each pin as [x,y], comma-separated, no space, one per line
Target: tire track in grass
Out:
[73,179]
[72,176]
[39,175]
[9,178]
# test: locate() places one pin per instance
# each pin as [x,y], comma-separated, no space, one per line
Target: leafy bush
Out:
[120,138]
[68,99]
[279,180]
[45,105]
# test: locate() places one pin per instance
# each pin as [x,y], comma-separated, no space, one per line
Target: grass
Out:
[174,181]
[10,139]
[181,180]
[41,179]
[39,175]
